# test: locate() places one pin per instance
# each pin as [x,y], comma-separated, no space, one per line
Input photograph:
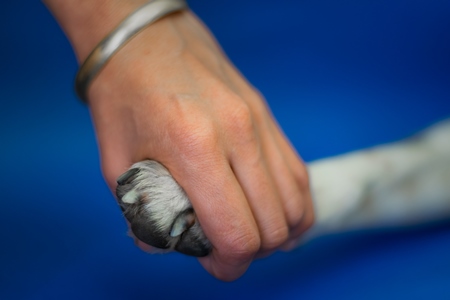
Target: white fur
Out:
[399,184]
[165,198]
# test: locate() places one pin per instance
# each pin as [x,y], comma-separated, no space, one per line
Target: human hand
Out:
[172,96]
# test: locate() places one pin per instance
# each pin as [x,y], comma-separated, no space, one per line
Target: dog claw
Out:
[127,177]
[131,197]
[183,222]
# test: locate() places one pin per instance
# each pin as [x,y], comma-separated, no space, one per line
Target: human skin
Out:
[171,95]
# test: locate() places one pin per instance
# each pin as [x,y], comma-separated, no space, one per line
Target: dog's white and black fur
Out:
[404,183]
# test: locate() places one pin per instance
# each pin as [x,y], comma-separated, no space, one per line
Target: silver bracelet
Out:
[138,20]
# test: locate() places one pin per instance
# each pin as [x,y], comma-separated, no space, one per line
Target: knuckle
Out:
[241,120]
[306,223]
[302,178]
[242,248]
[194,138]
[275,237]
[296,215]
[310,218]
[295,208]
[301,213]
[259,106]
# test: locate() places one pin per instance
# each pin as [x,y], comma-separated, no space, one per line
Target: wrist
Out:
[86,23]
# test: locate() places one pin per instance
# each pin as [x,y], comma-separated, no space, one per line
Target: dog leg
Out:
[398,184]
[403,183]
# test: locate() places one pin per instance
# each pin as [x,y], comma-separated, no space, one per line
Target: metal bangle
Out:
[138,20]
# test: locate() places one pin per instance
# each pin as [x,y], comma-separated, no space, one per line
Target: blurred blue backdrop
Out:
[339,76]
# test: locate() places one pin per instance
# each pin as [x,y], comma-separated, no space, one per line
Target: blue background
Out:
[339,76]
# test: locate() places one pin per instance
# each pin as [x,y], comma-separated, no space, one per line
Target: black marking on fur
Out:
[191,245]
[145,230]
[128,176]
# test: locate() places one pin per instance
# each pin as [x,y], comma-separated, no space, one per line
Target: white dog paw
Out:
[159,210]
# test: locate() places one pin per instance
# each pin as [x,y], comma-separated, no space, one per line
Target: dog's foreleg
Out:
[403,183]
[399,184]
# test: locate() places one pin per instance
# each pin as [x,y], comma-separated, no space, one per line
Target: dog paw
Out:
[159,211]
